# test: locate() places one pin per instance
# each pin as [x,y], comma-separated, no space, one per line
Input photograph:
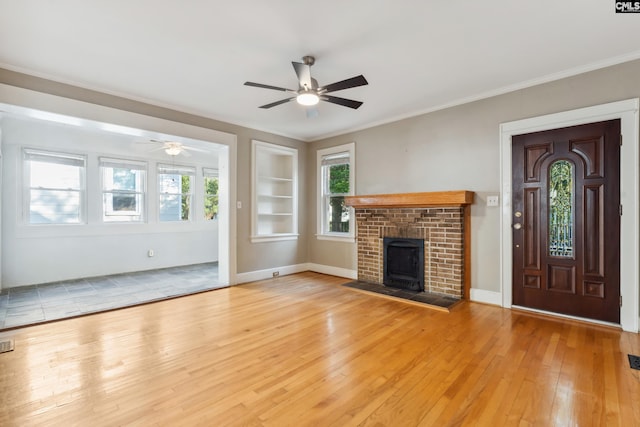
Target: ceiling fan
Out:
[309,93]
[174,148]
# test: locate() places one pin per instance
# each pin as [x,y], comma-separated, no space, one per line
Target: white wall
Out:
[44,253]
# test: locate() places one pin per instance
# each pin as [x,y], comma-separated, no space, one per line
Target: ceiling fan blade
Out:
[282,89]
[189,148]
[341,101]
[344,84]
[303,71]
[282,101]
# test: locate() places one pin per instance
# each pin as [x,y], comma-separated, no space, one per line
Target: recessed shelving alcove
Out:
[274,192]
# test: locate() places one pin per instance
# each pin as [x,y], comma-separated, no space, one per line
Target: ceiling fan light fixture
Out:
[308,98]
[173,150]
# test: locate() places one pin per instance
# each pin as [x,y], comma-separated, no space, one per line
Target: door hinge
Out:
[620,210]
[620,300]
[621,140]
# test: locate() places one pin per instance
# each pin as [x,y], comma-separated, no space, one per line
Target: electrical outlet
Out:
[150,253]
[493,200]
[276,273]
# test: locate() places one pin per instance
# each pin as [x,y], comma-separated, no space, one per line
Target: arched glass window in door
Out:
[561,209]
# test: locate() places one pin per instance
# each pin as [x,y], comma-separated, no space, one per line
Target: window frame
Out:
[322,195]
[141,210]
[210,173]
[182,170]
[31,154]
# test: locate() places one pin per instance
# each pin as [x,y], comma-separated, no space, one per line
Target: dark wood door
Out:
[566,220]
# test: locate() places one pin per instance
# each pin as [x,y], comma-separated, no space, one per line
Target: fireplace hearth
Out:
[403,263]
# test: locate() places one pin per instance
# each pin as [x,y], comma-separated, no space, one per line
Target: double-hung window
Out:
[210,193]
[336,180]
[175,192]
[55,187]
[123,190]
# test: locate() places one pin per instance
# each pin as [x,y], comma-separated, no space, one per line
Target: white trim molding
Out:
[268,273]
[485,297]
[627,112]
[252,276]
[334,271]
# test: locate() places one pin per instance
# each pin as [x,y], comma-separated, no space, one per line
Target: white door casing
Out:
[627,112]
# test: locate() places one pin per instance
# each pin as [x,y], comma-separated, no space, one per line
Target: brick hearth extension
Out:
[441,219]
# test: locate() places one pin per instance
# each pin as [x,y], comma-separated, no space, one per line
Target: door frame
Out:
[627,112]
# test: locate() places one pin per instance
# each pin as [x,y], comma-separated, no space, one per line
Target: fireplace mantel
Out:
[412,200]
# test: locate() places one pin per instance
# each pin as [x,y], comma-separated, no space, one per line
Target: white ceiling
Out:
[418,55]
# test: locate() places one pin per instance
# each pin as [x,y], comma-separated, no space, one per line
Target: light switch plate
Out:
[493,200]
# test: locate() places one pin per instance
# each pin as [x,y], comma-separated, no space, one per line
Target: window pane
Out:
[175,197]
[210,197]
[124,179]
[561,209]
[122,191]
[170,207]
[338,215]
[170,183]
[52,175]
[119,207]
[56,187]
[339,179]
[54,207]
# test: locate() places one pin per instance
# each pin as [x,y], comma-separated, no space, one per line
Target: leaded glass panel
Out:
[561,209]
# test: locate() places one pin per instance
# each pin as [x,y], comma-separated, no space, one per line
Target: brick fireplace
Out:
[440,219]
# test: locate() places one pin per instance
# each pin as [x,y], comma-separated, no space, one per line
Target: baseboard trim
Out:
[252,276]
[486,297]
[333,271]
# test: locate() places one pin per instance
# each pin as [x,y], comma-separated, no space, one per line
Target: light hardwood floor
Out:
[302,350]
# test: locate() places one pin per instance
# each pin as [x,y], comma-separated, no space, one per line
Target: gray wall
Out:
[459,149]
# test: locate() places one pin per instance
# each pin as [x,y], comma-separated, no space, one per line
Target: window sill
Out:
[336,238]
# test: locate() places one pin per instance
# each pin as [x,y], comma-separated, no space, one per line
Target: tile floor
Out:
[27,305]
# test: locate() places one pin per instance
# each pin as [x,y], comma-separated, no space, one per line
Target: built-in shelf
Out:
[275,188]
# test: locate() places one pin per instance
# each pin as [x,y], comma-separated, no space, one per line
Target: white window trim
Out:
[29,154]
[111,162]
[335,236]
[210,173]
[182,170]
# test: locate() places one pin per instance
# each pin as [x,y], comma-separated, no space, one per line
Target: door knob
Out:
[517,226]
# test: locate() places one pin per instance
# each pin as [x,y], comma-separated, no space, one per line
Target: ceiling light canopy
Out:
[173,149]
[307,98]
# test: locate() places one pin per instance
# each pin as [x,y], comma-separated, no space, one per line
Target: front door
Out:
[566,220]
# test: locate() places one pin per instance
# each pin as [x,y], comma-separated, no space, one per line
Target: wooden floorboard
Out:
[302,350]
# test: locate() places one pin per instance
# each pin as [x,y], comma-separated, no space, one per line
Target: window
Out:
[336,180]
[55,186]
[175,192]
[123,190]
[210,193]
[561,208]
